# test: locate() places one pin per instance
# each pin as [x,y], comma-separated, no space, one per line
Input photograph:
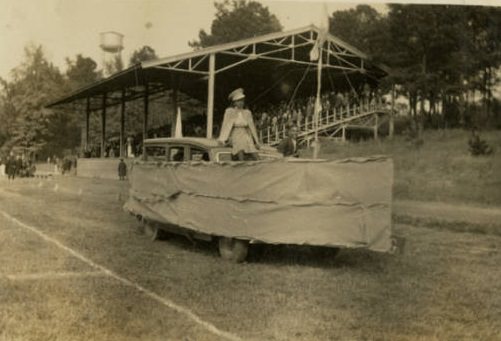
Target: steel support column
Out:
[392,113]
[210,94]
[87,124]
[145,117]
[174,104]
[103,127]
[122,125]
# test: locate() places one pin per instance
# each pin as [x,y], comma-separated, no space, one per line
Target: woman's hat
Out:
[236,95]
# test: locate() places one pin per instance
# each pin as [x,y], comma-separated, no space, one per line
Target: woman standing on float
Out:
[238,128]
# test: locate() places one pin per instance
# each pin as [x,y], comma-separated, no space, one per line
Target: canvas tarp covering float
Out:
[288,201]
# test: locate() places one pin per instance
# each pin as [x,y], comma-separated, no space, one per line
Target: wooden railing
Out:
[327,119]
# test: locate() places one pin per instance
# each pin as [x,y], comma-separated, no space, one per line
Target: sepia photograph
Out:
[250,170]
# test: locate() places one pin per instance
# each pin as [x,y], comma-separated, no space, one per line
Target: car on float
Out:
[186,149]
[194,149]
[192,186]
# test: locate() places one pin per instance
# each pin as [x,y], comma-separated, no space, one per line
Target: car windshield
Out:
[156,152]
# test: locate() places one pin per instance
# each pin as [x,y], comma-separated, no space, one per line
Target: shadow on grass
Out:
[287,255]
[320,257]
[292,255]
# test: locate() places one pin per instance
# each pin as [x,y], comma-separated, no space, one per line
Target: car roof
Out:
[201,141]
[212,144]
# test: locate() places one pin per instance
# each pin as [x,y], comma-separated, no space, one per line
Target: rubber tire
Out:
[234,250]
[151,231]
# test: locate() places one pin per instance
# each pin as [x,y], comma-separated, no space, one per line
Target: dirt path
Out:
[441,211]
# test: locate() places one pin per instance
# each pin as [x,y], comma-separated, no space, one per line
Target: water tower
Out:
[112,46]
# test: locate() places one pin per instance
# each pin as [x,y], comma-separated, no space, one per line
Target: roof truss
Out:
[281,47]
[290,47]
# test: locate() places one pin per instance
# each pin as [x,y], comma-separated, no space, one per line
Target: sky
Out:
[66,28]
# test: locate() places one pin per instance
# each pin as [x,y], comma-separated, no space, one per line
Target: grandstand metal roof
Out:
[268,67]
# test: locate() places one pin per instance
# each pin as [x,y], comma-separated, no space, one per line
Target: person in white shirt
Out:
[238,128]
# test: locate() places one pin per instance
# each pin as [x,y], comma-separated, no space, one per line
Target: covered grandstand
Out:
[272,68]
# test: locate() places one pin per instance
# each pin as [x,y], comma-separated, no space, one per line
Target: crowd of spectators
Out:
[112,148]
[301,110]
[17,166]
[275,117]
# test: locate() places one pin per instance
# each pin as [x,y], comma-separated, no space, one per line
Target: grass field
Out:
[441,169]
[444,287]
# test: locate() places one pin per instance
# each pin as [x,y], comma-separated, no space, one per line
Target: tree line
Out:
[26,123]
[444,59]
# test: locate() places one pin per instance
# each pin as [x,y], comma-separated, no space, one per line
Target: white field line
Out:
[166,302]
[53,275]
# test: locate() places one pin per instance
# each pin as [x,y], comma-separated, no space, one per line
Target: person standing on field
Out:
[10,167]
[122,169]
